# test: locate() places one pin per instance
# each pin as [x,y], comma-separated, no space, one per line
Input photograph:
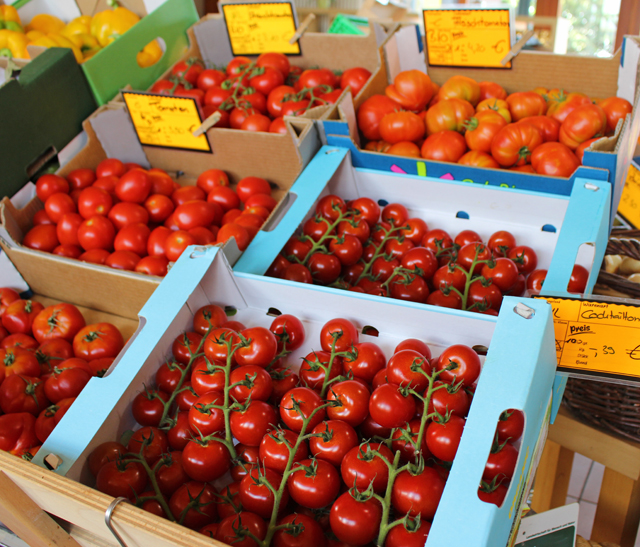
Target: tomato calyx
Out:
[496,446]
[492,486]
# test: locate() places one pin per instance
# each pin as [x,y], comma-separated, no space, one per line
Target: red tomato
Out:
[251,186]
[19,315]
[307,403]
[354,399]
[251,425]
[401,126]
[205,459]
[355,78]
[615,108]
[335,438]
[578,281]
[478,159]
[390,408]
[274,451]
[176,242]
[561,104]
[106,452]
[443,438]
[258,498]
[411,89]
[525,258]
[501,462]
[126,213]
[97,341]
[417,494]
[210,77]
[510,426]
[584,123]
[276,99]
[370,115]
[50,184]
[448,114]
[401,536]
[204,511]
[463,364]
[491,90]
[96,233]
[338,335]
[119,479]
[233,529]
[444,146]
[355,522]
[314,483]
[110,167]
[482,128]
[41,238]
[526,103]
[275,60]
[20,393]
[514,143]
[460,87]
[134,186]
[57,321]
[554,159]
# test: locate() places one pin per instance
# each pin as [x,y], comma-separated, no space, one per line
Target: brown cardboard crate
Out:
[110,134]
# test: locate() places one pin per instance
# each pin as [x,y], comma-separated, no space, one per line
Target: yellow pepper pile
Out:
[85,35]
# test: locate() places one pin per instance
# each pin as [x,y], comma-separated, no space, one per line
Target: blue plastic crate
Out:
[202,275]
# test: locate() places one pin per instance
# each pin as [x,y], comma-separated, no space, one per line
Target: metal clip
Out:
[590,186]
[107,519]
[524,311]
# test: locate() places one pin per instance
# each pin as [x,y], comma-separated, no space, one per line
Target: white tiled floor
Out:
[584,487]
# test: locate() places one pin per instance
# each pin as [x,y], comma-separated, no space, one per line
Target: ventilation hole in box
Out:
[274,312]
[370,331]
[154,49]
[230,311]
[480,350]
[583,265]
[383,202]
[510,426]
[462,214]
[549,228]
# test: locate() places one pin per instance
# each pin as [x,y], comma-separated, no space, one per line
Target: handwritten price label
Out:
[629,206]
[468,38]
[258,28]
[161,120]
[597,337]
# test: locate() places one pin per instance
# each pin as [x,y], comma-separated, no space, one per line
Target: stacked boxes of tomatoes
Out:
[523,330]
[533,77]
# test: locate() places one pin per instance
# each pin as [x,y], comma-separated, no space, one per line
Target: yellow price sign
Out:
[259,28]
[629,206]
[467,37]
[596,337]
[162,120]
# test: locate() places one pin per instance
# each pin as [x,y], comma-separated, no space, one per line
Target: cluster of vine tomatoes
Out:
[359,246]
[47,356]
[543,131]
[255,95]
[331,454]
[129,218]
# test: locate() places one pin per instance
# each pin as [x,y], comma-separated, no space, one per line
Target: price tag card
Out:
[259,28]
[597,338]
[629,206]
[165,121]
[477,38]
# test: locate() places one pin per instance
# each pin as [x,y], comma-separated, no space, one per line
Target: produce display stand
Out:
[617,517]
[115,66]
[110,134]
[202,275]
[40,113]
[608,159]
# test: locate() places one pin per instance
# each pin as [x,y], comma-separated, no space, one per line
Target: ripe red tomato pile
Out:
[47,356]
[255,95]
[542,131]
[294,452]
[129,218]
[359,247]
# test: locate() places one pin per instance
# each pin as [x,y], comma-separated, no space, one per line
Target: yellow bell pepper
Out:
[150,55]
[9,19]
[13,44]
[45,23]
[108,25]
[53,39]
[34,35]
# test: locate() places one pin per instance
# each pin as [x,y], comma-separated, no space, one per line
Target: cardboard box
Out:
[115,66]
[209,41]
[608,159]
[110,134]
[562,230]
[39,114]
[202,276]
